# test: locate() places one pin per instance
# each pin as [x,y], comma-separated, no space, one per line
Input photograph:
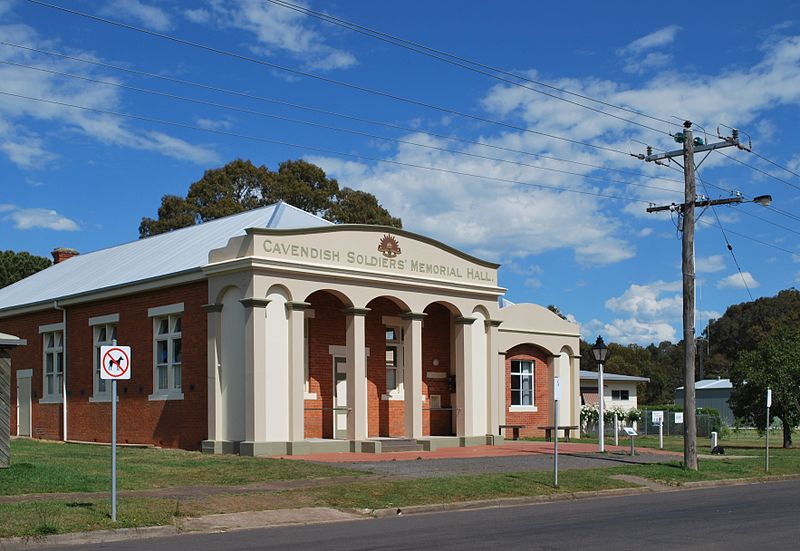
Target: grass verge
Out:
[47,467]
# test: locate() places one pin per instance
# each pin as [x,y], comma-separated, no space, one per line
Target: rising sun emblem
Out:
[389,246]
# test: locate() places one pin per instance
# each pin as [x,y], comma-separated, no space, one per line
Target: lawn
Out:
[53,467]
[45,467]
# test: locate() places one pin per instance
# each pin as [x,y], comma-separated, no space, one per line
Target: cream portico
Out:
[327,337]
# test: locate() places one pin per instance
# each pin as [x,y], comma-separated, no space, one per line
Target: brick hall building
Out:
[273,332]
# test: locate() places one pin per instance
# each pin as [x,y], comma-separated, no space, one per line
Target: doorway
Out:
[24,377]
[340,397]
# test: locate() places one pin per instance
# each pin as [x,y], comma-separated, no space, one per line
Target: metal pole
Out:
[601,417]
[687,269]
[555,443]
[661,434]
[114,450]
[616,429]
[766,445]
[114,447]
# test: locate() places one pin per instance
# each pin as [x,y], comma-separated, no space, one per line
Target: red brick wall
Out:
[171,423]
[436,345]
[532,420]
[385,417]
[326,328]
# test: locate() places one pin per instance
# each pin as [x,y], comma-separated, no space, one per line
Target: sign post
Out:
[766,445]
[115,362]
[658,417]
[556,399]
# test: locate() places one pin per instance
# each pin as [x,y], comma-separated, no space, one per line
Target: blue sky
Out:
[83,179]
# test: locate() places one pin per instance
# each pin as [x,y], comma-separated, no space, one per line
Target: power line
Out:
[764,172]
[318,149]
[346,116]
[773,163]
[725,237]
[321,78]
[471,65]
[325,126]
[750,238]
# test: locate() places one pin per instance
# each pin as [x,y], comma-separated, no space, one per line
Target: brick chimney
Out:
[60,254]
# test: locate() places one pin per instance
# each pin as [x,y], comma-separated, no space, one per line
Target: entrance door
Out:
[340,397]
[23,405]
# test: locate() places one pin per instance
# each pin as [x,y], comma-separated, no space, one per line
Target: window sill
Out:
[160,396]
[521,409]
[393,396]
[310,395]
[100,398]
[51,400]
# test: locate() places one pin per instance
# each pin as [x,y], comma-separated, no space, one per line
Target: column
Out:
[213,316]
[502,407]
[357,426]
[297,374]
[5,407]
[412,374]
[493,385]
[255,375]
[464,385]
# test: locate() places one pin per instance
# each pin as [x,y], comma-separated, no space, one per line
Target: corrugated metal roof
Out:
[592,376]
[706,384]
[168,253]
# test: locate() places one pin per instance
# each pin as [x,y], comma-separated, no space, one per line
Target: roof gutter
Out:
[64,346]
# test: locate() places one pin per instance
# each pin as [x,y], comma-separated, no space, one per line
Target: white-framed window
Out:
[167,352]
[53,366]
[104,334]
[394,360]
[521,383]
[622,395]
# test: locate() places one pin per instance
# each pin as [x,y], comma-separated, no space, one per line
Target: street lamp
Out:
[600,351]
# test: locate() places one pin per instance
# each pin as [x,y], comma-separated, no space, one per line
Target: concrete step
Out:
[400,445]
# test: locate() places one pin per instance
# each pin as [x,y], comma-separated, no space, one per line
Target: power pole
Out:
[686,211]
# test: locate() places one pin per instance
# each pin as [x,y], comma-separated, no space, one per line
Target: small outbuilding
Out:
[619,391]
[712,393]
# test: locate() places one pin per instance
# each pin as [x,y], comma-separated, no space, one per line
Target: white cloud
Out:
[150,16]
[26,219]
[646,301]
[630,331]
[5,6]
[211,124]
[737,281]
[533,282]
[199,15]
[29,148]
[662,37]
[278,28]
[5,207]
[713,263]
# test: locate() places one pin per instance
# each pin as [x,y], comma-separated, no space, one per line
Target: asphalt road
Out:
[755,516]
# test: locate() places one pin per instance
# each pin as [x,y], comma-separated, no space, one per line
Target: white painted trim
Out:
[520,409]
[165,310]
[102,398]
[393,396]
[24,374]
[51,327]
[339,350]
[103,320]
[51,400]
[502,329]
[155,397]
[309,395]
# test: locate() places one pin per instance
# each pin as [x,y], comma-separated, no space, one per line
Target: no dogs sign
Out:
[115,362]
